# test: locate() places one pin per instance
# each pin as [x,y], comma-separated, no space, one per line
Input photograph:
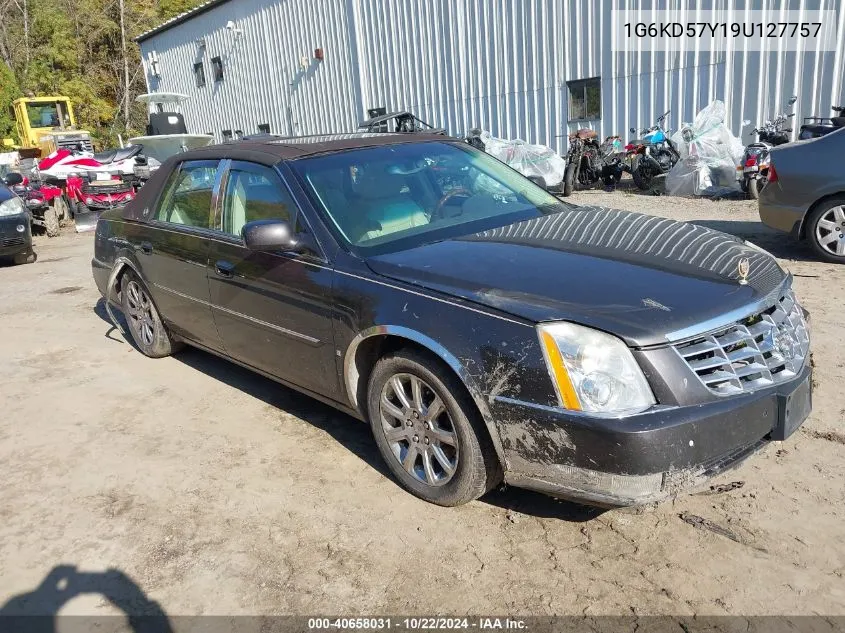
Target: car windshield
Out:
[393,197]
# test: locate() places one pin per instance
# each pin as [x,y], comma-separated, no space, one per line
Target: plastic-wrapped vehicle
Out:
[709,156]
[535,162]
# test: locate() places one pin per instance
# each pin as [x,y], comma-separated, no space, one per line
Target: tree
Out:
[82,49]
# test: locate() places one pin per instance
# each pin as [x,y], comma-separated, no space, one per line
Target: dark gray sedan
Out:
[15,233]
[805,195]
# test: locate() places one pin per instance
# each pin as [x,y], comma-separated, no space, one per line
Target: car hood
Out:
[644,278]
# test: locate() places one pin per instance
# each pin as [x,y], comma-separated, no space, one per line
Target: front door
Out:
[272,309]
[173,254]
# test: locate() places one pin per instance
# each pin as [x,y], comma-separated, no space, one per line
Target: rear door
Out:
[174,252]
[272,309]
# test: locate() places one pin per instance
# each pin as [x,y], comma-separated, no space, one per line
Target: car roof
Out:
[272,150]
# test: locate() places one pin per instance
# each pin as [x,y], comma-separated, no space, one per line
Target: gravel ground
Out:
[192,483]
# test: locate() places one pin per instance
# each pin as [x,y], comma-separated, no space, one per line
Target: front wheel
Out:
[569,179]
[51,222]
[145,324]
[754,187]
[826,230]
[429,431]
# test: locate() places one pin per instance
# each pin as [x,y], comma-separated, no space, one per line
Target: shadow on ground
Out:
[35,611]
[353,434]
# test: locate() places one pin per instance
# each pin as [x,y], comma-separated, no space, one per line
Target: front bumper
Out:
[13,241]
[645,457]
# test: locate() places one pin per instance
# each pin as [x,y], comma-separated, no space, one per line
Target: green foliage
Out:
[8,93]
[74,48]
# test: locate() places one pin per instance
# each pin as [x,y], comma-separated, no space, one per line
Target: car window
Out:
[187,199]
[254,193]
[387,198]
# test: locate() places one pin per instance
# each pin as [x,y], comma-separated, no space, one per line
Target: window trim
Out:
[575,84]
[226,165]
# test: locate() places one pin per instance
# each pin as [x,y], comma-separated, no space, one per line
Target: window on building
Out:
[264,128]
[239,134]
[217,68]
[584,99]
[199,74]
[227,135]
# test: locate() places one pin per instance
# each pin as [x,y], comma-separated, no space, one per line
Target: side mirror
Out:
[273,235]
[13,178]
[538,180]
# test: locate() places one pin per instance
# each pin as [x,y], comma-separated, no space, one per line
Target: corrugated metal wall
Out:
[498,64]
[265,80]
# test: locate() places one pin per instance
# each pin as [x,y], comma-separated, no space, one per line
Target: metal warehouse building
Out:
[531,69]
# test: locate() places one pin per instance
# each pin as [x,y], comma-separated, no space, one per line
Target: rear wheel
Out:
[145,324]
[429,431]
[51,222]
[754,187]
[569,179]
[643,174]
[826,230]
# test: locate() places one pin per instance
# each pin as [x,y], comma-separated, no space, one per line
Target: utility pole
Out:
[125,65]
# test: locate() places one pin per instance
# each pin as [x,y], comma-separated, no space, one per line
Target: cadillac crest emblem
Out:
[743,268]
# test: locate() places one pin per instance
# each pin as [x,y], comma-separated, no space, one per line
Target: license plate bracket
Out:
[793,409]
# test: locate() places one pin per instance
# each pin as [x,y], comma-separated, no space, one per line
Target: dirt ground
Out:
[192,483]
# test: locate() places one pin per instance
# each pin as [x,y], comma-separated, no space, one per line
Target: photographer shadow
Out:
[36,611]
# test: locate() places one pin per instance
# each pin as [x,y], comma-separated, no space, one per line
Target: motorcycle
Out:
[814,127]
[587,162]
[754,169]
[653,155]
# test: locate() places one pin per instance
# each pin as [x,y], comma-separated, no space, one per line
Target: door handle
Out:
[147,247]
[224,268]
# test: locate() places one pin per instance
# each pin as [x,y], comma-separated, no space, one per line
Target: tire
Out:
[60,206]
[569,179]
[51,222]
[30,257]
[754,187]
[72,205]
[145,324]
[642,175]
[457,432]
[827,222]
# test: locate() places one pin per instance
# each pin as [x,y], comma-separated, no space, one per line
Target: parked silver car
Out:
[805,194]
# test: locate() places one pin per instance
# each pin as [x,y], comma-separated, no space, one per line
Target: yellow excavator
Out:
[46,124]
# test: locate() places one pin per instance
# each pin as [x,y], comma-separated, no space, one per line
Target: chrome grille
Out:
[763,349]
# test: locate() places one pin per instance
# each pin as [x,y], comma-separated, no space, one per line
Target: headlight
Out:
[12,206]
[592,371]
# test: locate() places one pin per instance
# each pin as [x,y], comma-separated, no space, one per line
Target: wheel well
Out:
[802,233]
[373,348]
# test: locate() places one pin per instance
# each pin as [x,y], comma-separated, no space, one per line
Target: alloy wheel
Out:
[830,231]
[140,309]
[419,429]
